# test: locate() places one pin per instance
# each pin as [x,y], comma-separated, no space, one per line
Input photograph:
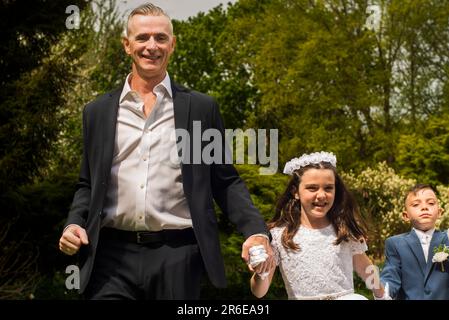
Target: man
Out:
[144,225]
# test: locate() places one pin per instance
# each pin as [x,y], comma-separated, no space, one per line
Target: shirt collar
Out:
[166,84]
[421,233]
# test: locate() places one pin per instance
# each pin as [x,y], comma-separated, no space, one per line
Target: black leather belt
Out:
[147,237]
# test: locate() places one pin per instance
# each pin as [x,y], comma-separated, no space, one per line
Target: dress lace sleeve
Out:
[275,243]
[358,247]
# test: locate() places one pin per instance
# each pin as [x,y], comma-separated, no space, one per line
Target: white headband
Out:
[307,159]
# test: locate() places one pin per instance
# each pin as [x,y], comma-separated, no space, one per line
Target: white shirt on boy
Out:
[425,237]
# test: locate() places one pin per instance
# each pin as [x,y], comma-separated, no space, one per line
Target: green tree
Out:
[41,142]
[32,86]
[424,155]
[328,81]
[199,63]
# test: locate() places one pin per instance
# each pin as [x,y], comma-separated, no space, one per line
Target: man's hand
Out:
[71,240]
[262,267]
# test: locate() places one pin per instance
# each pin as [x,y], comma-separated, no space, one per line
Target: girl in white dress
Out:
[317,236]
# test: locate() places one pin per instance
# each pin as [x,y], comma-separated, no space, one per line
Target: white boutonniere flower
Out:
[440,254]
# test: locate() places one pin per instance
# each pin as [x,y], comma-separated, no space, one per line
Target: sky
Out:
[176,9]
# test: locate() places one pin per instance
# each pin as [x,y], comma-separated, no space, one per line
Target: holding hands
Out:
[258,254]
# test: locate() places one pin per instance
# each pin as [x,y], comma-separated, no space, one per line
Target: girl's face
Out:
[316,193]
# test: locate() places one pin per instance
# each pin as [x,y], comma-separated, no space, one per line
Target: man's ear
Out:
[125,42]
[440,212]
[405,216]
[173,44]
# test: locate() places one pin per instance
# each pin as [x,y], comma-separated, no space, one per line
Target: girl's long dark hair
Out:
[344,214]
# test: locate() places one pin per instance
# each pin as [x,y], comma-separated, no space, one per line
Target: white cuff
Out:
[260,235]
[72,224]
[386,295]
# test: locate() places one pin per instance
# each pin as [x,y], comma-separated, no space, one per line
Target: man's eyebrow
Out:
[152,34]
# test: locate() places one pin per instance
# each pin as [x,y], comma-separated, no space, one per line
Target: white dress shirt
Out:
[145,190]
[425,237]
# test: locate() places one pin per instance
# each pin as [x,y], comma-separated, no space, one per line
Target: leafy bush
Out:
[380,193]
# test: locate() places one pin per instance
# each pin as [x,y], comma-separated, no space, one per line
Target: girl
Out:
[317,237]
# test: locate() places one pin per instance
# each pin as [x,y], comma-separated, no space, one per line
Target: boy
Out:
[409,270]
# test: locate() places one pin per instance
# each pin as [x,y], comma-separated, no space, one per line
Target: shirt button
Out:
[141,186]
[140,217]
[144,159]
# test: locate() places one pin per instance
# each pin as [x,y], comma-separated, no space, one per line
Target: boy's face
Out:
[421,209]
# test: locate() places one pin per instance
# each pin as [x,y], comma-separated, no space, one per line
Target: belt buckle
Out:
[139,238]
[145,237]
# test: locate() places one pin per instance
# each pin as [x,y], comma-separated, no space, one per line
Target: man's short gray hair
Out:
[147,9]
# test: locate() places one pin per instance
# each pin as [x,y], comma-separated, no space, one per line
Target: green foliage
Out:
[34,80]
[380,193]
[441,248]
[53,288]
[100,66]
[41,142]
[29,235]
[327,81]
[264,189]
[198,63]
[424,155]
[312,69]
[29,29]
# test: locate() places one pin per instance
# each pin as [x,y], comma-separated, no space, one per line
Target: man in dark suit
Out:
[144,224]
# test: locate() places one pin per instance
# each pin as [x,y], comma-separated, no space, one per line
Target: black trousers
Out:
[127,270]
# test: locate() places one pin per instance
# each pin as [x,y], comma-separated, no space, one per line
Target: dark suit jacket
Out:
[202,182]
[407,273]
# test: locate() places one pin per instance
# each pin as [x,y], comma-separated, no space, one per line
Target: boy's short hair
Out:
[417,187]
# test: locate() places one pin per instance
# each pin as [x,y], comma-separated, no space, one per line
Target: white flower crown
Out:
[307,159]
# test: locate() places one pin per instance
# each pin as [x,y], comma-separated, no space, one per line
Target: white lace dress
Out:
[320,269]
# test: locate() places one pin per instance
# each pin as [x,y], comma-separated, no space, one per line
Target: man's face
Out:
[150,43]
[422,210]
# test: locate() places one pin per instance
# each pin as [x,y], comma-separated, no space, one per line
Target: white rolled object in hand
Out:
[257,254]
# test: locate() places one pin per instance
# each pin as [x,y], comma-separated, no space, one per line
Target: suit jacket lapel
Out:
[437,239]
[415,245]
[109,122]
[181,105]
